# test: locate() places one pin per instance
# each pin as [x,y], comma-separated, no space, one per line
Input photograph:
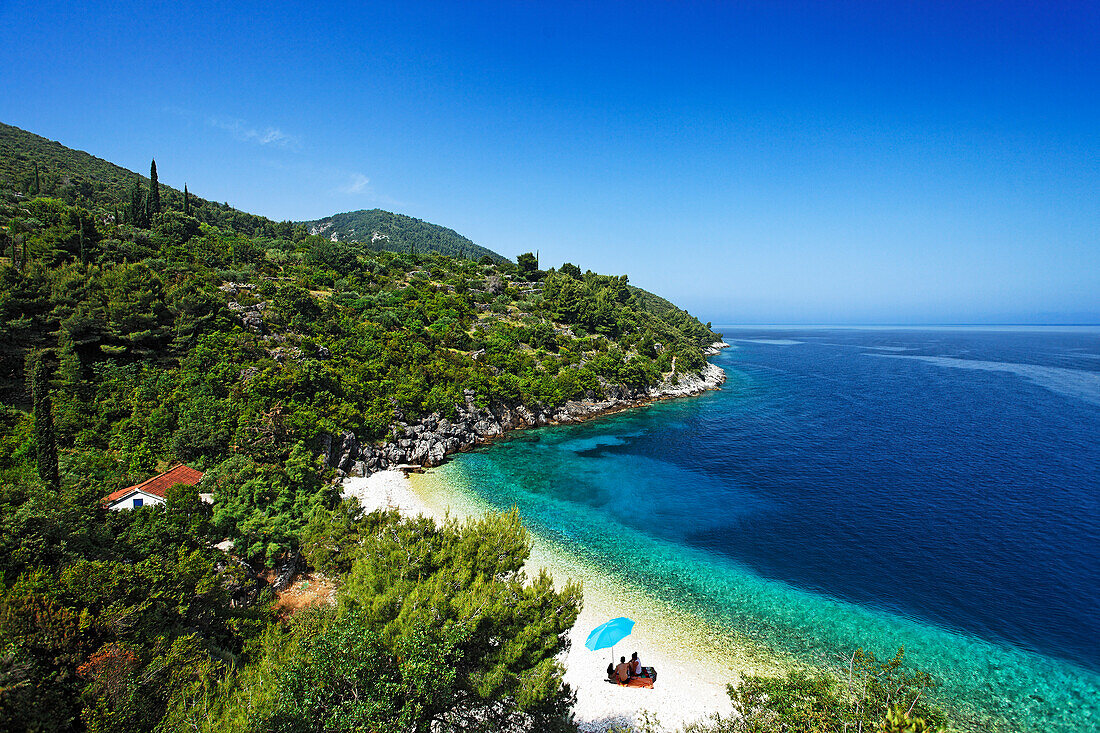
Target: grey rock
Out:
[429,441]
[287,572]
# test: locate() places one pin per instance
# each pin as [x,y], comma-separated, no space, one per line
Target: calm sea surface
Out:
[935,489]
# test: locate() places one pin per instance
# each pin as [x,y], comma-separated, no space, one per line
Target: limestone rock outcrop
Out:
[429,441]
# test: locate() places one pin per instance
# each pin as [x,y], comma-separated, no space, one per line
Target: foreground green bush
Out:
[871,696]
[438,628]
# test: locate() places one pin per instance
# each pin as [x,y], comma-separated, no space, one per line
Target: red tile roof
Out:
[159,484]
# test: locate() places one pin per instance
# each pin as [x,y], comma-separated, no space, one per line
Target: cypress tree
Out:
[43,423]
[137,205]
[186,202]
[37,180]
[154,190]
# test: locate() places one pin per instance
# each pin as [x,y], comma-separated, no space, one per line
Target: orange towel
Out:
[637,682]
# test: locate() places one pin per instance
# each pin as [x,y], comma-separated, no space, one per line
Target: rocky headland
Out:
[429,441]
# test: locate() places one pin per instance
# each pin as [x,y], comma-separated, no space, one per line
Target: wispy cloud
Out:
[333,181]
[337,183]
[267,136]
[357,183]
[350,183]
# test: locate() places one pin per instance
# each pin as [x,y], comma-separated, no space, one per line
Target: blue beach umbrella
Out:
[609,634]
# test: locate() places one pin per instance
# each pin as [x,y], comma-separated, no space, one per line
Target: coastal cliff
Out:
[428,441]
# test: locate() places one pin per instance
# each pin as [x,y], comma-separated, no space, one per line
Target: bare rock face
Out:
[287,572]
[711,377]
[340,451]
[252,316]
[714,348]
[348,451]
[494,285]
[430,441]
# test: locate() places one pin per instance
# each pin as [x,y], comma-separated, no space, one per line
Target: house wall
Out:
[127,502]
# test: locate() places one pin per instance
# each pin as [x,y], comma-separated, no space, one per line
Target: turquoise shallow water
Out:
[833,498]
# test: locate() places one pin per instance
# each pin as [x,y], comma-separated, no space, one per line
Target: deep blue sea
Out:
[938,489]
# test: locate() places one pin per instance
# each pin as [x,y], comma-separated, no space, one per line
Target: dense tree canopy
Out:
[438,628]
[391,232]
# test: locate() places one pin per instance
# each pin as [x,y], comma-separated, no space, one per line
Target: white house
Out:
[151,492]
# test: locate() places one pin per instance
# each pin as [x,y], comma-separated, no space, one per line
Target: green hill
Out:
[391,232]
[71,175]
[33,165]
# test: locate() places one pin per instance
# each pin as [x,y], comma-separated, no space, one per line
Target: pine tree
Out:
[154,191]
[43,422]
[186,202]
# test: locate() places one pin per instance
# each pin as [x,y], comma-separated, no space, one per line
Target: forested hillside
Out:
[32,164]
[35,166]
[397,233]
[139,329]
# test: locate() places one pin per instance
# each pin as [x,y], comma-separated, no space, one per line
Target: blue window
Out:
[138,502]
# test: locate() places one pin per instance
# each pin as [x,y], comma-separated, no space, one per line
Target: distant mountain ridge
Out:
[385,230]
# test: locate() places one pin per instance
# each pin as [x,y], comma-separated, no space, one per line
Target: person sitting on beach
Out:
[611,671]
[635,665]
[622,671]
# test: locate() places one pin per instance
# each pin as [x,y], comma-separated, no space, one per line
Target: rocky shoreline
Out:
[429,441]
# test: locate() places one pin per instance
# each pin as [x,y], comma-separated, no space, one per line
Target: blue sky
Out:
[756,162]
